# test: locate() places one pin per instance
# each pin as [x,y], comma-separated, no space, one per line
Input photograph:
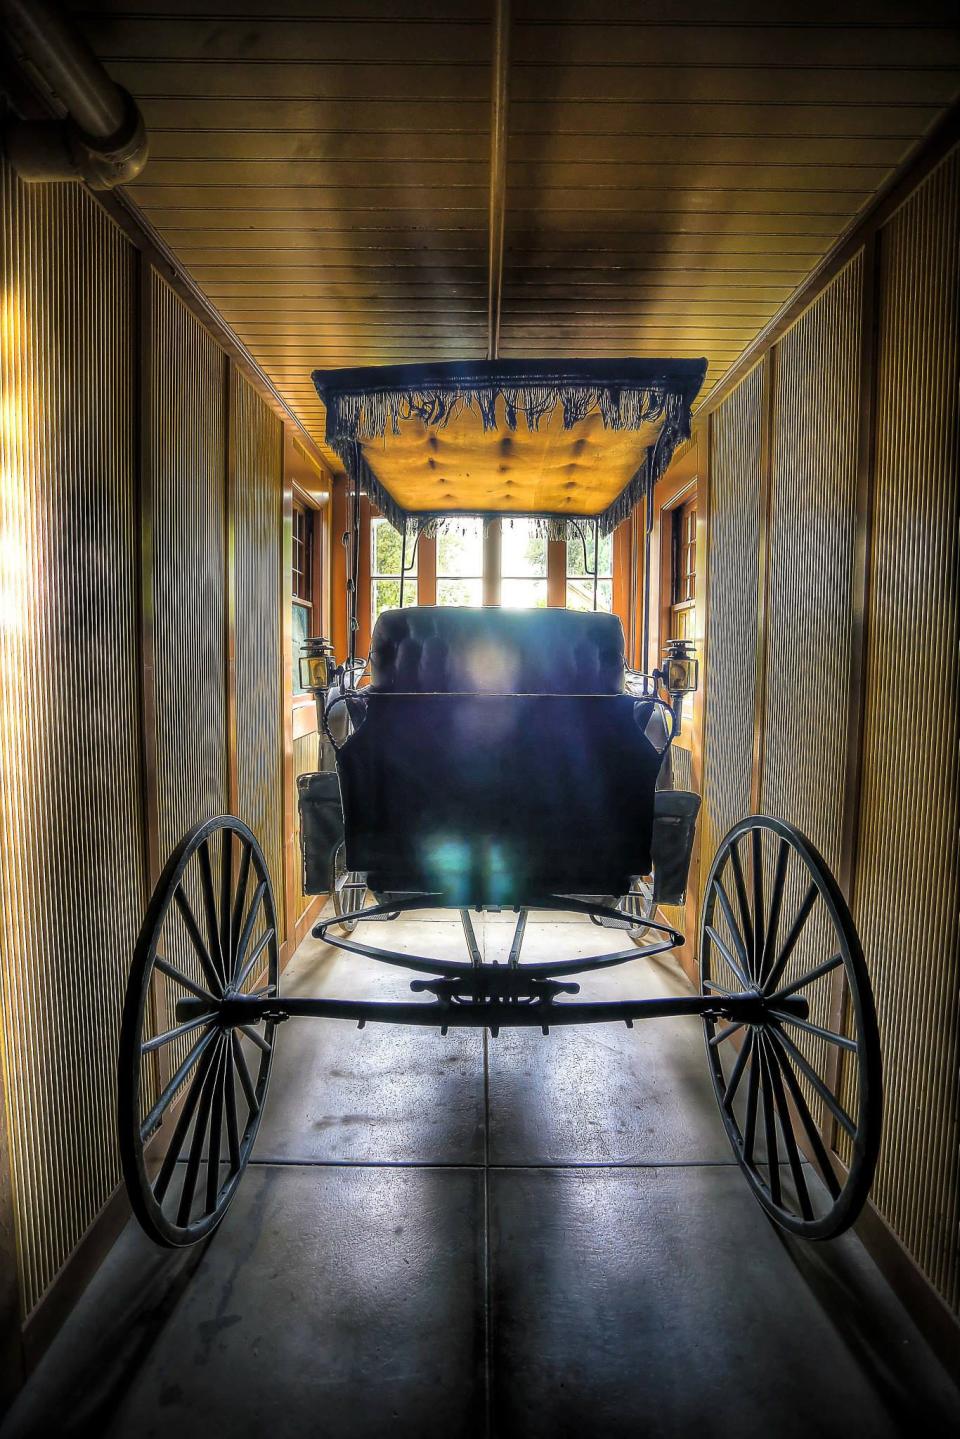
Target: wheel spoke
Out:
[173,973]
[723,1034]
[261,945]
[226,910]
[233,1128]
[248,924]
[776,903]
[741,890]
[805,979]
[196,939]
[806,1118]
[738,944]
[196,1149]
[175,1082]
[753,1083]
[840,1040]
[719,989]
[244,1073]
[738,972]
[182,1127]
[756,844]
[241,894]
[786,1128]
[216,1132]
[737,1072]
[210,910]
[770,1127]
[811,1075]
[160,1040]
[796,929]
[257,1037]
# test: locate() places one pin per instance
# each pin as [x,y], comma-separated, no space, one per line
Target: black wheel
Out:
[639,905]
[800,1090]
[191,1089]
[348,889]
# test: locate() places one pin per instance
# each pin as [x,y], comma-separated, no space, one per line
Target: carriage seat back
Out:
[435,650]
[499,760]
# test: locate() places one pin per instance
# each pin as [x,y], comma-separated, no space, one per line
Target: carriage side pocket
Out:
[674,826]
[321,827]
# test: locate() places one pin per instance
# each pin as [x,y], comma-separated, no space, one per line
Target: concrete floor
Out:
[464,1236]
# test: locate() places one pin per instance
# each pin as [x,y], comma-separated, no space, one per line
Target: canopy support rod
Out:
[499,119]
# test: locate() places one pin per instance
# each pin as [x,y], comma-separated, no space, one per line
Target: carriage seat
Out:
[499,760]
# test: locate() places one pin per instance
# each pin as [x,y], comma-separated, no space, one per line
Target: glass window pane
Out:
[580,594]
[523,552]
[523,594]
[301,629]
[460,550]
[386,548]
[606,555]
[459,592]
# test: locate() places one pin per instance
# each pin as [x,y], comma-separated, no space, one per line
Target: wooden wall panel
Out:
[256,519]
[306,759]
[810,564]
[71,852]
[188,453]
[731,645]
[906,882]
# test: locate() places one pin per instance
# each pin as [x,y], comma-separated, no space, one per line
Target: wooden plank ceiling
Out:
[322,167]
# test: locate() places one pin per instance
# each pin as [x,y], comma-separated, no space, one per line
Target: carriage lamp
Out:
[317,665]
[681,671]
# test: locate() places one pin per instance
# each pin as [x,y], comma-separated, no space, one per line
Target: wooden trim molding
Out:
[556,574]
[860,586]
[288,805]
[763,575]
[147,610]
[230,586]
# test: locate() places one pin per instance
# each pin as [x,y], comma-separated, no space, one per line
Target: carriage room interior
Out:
[476,1230]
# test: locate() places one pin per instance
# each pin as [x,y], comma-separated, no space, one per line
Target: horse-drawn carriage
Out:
[502,759]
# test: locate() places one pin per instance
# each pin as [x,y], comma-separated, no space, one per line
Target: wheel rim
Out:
[349,891]
[191,1089]
[796,1093]
[639,904]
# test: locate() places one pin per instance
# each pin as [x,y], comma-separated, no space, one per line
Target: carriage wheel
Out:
[192,1088]
[639,904]
[799,1094]
[348,889]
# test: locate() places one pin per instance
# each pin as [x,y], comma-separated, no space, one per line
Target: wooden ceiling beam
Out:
[499,128]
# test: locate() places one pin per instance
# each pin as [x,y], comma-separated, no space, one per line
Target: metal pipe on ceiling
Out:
[499,119]
[99,135]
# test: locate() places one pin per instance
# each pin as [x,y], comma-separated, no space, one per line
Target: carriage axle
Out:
[235,1011]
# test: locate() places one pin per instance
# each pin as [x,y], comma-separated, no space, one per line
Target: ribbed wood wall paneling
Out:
[186,454]
[71,859]
[737,432]
[189,464]
[808,631]
[906,883]
[256,524]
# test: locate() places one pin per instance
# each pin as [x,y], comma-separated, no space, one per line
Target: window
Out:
[386,550]
[302,617]
[580,569]
[683,570]
[523,566]
[460,563]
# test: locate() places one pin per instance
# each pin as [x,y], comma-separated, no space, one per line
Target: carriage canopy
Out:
[559,440]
